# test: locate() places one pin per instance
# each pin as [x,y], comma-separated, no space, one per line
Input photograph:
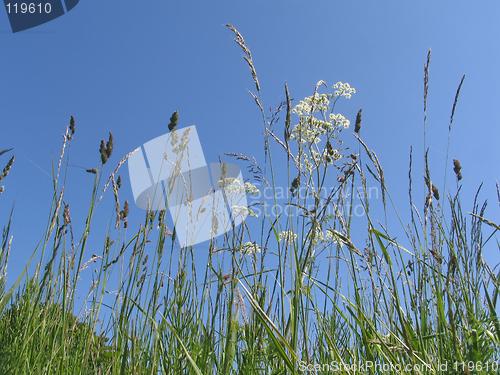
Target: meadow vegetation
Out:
[271,299]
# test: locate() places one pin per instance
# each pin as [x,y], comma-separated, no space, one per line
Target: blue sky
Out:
[125,66]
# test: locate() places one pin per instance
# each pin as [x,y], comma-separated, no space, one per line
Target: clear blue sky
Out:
[125,66]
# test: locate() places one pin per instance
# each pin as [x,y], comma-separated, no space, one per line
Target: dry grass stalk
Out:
[459,176]
[288,119]
[4,271]
[116,259]
[253,168]
[117,201]
[5,171]
[56,211]
[456,100]
[93,259]
[248,58]
[111,177]
[65,137]
[426,83]
[4,151]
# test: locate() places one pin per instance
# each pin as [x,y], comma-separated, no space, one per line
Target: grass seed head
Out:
[329,148]
[109,145]
[223,171]
[102,150]
[7,168]
[357,127]
[67,218]
[124,213]
[72,125]
[435,192]
[173,121]
[295,185]
[456,168]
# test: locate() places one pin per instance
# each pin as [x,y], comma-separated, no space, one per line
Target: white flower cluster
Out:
[331,157]
[233,186]
[318,102]
[339,120]
[331,236]
[242,211]
[319,237]
[310,130]
[230,185]
[287,236]
[325,238]
[235,191]
[249,248]
[344,89]
[251,189]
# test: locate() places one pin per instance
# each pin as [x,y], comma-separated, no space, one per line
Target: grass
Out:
[271,299]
